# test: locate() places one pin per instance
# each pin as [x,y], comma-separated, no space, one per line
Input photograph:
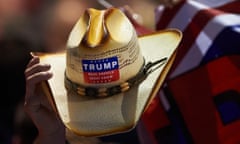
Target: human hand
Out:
[37,106]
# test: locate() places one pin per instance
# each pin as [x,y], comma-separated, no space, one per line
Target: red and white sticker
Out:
[101,70]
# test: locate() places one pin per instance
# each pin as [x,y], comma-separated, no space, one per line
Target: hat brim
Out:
[118,113]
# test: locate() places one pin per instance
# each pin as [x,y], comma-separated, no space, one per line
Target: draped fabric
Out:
[200,100]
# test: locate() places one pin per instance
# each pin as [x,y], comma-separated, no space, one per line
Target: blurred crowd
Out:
[39,26]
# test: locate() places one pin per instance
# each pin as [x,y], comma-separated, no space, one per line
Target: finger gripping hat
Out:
[108,75]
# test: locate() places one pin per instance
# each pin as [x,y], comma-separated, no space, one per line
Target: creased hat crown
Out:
[103,49]
[110,65]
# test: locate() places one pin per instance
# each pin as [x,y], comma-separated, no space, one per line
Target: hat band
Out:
[110,91]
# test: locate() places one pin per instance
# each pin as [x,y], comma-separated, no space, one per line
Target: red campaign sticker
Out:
[101,70]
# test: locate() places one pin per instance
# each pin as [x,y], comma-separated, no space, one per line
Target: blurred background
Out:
[202,90]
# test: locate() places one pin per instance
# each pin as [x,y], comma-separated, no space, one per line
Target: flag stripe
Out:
[196,26]
[167,15]
[204,41]
[185,14]
[226,43]
[180,15]
[214,3]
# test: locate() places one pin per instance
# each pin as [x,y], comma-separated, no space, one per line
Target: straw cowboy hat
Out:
[108,75]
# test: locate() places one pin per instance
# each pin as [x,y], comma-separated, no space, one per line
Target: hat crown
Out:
[103,49]
[98,26]
[96,31]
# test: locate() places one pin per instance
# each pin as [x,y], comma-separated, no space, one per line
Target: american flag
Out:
[200,100]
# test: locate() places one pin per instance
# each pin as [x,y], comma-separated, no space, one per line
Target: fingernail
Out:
[48,65]
[50,73]
[31,53]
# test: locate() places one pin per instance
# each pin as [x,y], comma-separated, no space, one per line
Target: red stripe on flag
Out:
[231,7]
[154,118]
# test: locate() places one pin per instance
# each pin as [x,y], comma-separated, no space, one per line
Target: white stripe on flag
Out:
[204,41]
[158,12]
[214,3]
[186,14]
